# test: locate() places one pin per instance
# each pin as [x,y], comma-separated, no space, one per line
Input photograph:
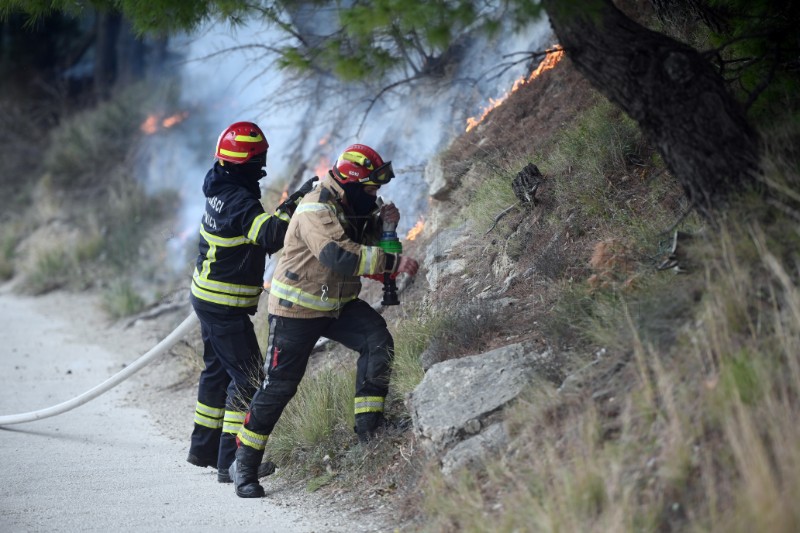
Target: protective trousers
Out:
[291,340]
[233,372]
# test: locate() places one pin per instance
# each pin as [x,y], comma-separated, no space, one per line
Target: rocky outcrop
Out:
[457,408]
[440,261]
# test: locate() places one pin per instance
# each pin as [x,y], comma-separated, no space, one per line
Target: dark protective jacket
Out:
[235,236]
[327,249]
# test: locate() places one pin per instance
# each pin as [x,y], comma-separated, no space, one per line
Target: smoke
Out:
[227,74]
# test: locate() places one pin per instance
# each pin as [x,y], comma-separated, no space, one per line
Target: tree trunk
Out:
[130,55]
[679,100]
[105,52]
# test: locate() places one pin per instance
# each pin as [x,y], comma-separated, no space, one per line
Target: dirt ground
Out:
[166,391]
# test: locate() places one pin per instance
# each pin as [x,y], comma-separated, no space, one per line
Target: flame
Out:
[284,195]
[150,125]
[156,121]
[324,140]
[550,60]
[416,230]
[177,118]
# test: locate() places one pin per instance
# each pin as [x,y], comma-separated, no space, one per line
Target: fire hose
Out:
[159,349]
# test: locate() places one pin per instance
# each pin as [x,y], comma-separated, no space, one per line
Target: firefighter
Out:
[235,236]
[331,241]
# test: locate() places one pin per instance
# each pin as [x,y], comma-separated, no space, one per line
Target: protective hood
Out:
[360,202]
[246,176]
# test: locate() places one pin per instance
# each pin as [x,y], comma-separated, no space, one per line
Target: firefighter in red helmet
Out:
[235,236]
[331,241]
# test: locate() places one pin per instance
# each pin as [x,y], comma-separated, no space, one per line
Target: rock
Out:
[456,396]
[438,262]
[438,186]
[473,452]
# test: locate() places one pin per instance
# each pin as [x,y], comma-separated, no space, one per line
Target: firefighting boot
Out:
[244,472]
[264,469]
[368,425]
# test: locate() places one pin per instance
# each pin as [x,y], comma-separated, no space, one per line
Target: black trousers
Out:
[233,372]
[291,340]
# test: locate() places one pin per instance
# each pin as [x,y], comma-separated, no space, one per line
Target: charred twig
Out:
[501,215]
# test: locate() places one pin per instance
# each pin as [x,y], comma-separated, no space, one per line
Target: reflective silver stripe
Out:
[369,404]
[255,227]
[314,206]
[369,260]
[300,297]
[230,288]
[252,439]
[210,417]
[233,422]
[223,299]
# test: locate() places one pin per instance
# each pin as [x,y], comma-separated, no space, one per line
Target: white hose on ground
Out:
[159,349]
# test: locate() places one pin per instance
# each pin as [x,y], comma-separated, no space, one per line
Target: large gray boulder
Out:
[459,399]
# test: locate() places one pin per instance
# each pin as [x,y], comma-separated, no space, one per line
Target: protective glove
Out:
[290,204]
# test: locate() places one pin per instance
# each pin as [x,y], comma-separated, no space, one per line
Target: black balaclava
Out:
[248,173]
[357,198]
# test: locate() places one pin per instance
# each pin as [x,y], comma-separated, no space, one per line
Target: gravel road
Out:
[109,464]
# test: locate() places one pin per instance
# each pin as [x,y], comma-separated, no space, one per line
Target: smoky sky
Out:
[226,75]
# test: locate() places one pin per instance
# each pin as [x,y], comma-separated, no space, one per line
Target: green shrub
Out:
[87,147]
[584,157]
[121,299]
[9,238]
[51,270]
[317,422]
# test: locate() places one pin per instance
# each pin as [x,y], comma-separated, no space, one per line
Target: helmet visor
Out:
[380,176]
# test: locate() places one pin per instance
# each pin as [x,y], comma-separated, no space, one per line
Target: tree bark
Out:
[679,100]
[105,52]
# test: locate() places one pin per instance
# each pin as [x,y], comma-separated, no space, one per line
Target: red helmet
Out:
[240,142]
[361,164]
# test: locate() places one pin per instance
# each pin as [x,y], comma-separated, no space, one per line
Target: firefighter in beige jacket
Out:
[332,241]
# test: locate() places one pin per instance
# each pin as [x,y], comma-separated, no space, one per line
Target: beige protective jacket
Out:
[326,249]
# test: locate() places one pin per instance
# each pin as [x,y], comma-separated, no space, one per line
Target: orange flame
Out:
[150,125]
[177,118]
[156,121]
[284,195]
[550,60]
[416,230]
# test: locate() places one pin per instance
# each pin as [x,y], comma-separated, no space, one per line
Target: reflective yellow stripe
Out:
[248,138]
[210,417]
[255,227]
[356,157]
[224,299]
[283,216]
[252,439]
[220,286]
[225,242]
[305,299]
[230,153]
[233,422]
[369,404]
[208,410]
[369,260]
